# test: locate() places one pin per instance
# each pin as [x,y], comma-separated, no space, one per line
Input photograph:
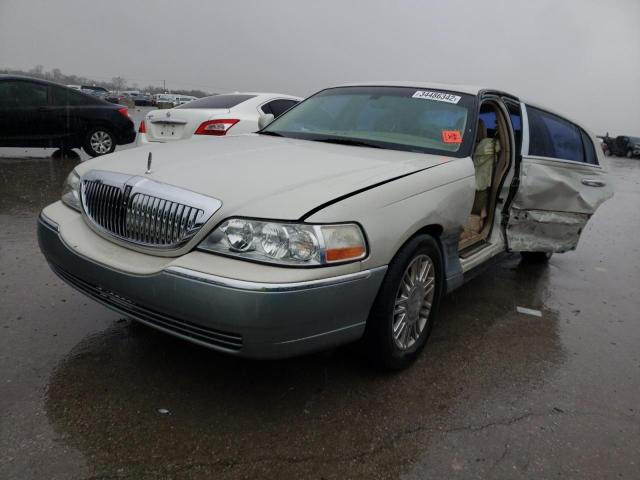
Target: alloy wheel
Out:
[101,142]
[413,302]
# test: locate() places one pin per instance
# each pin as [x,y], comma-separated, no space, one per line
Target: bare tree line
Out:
[117,84]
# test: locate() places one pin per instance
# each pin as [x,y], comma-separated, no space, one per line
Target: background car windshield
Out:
[218,101]
[388,117]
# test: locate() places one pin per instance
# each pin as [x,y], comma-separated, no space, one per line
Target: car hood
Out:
[261,176]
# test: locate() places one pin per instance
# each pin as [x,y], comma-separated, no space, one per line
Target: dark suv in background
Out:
[623,146]
[37,113]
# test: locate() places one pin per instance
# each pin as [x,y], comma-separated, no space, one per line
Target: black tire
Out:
[379,339]
[536,257]
[96,149]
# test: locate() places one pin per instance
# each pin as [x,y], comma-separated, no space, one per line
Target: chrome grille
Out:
[142,211]
[161,222]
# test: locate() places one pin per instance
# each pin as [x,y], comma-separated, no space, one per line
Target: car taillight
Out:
[216,127]
[124,112]
[142,128]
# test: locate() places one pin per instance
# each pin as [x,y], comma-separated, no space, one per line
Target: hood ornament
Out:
[149,159]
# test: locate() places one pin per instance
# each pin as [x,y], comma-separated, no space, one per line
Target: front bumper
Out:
[249,319]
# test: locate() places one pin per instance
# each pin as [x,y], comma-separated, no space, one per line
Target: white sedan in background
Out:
[217,115]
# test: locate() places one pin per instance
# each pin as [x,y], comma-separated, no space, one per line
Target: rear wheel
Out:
[402,315]
[536,257]
[99,141]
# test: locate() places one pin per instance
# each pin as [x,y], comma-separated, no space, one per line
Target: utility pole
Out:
[164,86]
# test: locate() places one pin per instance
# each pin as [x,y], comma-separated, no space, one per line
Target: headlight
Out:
[291,244]
[71,191]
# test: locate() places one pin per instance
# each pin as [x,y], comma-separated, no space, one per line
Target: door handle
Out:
[592,183]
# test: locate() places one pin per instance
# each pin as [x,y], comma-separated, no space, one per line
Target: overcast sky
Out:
[580,57]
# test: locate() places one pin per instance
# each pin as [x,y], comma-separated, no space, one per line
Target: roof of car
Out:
[470,89]
[266,94]
[8,76]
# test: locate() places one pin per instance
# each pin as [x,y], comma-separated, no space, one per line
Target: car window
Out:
[278,107]
[66,97]
[589,149]
[6,94]
[490,120]
[554,137]
[23,94]
[266,108]
[218,101]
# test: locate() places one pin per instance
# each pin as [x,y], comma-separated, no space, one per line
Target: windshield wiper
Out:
[274,134]
[347,141]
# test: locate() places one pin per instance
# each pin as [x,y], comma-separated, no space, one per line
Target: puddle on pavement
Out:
[28,184]
[307,416]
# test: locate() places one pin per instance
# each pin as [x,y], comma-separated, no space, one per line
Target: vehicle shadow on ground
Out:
[139,403]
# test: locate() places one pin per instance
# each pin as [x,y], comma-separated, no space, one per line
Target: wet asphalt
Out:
[86,394]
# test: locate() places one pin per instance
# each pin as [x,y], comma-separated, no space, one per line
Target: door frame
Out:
[501,98]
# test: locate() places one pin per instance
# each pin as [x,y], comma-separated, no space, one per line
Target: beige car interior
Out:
[491,161]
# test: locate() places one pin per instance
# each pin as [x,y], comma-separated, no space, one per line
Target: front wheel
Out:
[99,141]
[404,310]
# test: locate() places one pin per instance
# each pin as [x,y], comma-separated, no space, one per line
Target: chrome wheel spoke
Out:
[424,271]
[399,327]
[401,308]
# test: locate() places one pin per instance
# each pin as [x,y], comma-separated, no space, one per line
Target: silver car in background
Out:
[347,218]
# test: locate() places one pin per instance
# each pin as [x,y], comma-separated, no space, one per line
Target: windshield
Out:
[397,118]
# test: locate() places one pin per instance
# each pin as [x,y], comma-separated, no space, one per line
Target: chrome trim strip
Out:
[524,145]
[168,121]
[269,287]
[46,221]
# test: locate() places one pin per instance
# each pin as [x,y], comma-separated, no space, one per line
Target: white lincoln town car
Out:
[347,218]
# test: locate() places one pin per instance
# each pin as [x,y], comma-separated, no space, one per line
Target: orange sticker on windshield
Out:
[451,136]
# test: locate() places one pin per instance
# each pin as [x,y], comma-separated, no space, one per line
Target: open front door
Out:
[560,185]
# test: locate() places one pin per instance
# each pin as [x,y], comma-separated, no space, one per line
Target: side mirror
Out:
[264,120]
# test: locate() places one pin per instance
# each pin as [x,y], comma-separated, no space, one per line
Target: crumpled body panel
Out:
[545,231]
[555,199]
[557,186]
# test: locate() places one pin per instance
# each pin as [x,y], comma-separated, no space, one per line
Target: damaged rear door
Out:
[561,184]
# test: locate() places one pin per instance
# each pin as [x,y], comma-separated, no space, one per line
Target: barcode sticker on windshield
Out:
[437,96]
